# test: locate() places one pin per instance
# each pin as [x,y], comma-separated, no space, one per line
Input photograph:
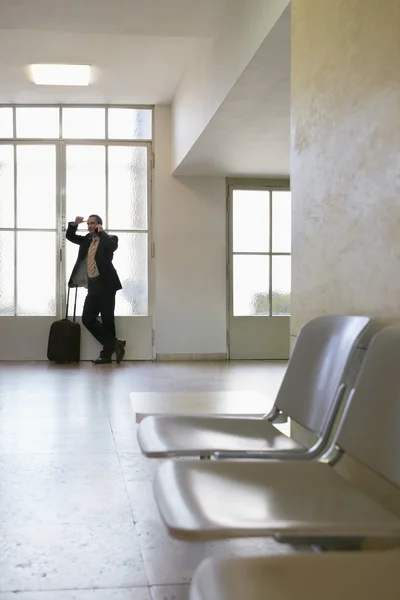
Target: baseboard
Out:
[191,357]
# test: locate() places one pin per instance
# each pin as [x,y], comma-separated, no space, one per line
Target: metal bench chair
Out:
[348,576]
[299,500]
[310,394]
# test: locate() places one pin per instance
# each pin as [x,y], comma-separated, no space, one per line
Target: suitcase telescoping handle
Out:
[67,308]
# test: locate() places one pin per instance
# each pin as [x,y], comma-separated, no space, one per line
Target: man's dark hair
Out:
[98,219]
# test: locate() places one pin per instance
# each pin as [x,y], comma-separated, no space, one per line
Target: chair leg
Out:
[324,544]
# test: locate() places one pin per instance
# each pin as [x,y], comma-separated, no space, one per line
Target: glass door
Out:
[57,162]
[112,180]
[259,273]
[28,245]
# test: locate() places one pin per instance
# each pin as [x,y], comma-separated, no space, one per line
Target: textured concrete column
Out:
[345,158]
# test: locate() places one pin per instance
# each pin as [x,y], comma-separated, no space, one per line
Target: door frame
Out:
[15,142]
[61,217]
[232,184]
[64,219]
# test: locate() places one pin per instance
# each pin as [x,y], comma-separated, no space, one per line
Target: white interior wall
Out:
[215,71]
[345,162]
[189,232]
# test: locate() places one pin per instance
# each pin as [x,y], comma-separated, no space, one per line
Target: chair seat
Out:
[196,436]
[348,576]
[221,499]
[203,403]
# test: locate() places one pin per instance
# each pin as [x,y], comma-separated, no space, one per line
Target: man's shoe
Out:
[120,350]
[102,361]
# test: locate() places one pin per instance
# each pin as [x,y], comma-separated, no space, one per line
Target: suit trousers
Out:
[100,301]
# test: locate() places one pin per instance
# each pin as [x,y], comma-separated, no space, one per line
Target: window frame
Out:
[61,219]
[263,185]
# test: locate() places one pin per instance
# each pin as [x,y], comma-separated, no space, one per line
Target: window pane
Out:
[36,293]
[127,184]
[6,122]
[7,273]
[130,260]
[36,187]
[129,123]
[6,186]
[86,181]
[281,285]
[38,122]
[250,285]
[281,221]
[250,221]
[84,123]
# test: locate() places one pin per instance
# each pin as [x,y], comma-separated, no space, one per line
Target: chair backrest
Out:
[317,368]
[370,431]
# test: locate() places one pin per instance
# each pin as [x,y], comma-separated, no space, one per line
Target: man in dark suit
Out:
[95,271]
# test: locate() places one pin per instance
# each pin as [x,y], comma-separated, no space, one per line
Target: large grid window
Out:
[57,163]
[261,247]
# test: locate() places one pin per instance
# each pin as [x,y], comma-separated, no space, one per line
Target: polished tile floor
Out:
[77,516]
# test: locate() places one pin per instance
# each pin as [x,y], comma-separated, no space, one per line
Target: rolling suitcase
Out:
[65,338]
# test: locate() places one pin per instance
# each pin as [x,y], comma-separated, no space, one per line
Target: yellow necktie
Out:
[92,267]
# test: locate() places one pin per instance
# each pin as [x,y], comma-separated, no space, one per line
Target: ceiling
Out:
[186,18]
[139,48]
[249,136]
[127,69]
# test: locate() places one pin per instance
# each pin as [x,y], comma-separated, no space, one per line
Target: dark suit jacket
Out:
[104,255]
